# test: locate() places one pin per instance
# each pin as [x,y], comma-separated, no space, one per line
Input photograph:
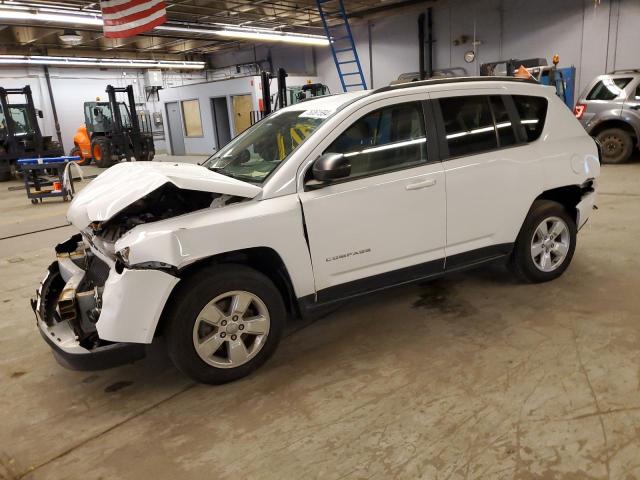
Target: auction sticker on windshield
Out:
[316,113]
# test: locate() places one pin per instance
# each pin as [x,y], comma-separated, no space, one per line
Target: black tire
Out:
[617,145]
[194,294]
[522,262]
[76,152]
[101,152]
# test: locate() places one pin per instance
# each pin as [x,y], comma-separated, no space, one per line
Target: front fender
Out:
[273,223]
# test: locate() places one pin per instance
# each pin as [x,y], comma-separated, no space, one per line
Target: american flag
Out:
[126,18]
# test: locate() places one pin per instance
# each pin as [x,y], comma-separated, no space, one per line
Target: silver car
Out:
[609,109]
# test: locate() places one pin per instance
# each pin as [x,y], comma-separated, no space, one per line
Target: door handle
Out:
[424,184]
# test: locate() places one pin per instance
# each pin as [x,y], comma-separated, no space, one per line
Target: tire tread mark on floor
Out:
[29,471]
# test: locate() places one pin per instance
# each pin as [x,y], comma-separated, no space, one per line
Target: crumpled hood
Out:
[127,182]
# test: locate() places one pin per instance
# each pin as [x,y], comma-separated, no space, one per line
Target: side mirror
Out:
[40,114]
[331,166]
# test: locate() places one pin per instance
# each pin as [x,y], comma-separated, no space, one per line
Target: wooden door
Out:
[242,106]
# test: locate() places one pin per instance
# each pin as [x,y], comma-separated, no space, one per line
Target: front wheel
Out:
[546,243]
[224,323]
[101,152]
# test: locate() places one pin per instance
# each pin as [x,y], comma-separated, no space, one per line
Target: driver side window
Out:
[386,139]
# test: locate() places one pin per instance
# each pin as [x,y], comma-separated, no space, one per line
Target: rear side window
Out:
[608,88]
[532,111]
[468,125]
[506,133]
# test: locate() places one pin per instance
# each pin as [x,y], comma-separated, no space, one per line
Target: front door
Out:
[385,223]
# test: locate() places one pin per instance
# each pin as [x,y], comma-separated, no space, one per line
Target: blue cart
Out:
[44,177]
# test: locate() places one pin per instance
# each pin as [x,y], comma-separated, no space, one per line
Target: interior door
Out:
[176,137]
[242,106]
[385,223]
[222,127]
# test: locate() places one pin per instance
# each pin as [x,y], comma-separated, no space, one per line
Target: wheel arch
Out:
[569,196]
[262,259]
[615,123]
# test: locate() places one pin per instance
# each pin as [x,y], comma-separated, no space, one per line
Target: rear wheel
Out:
[546,243]
[225,322]
[617,145]
[101,152]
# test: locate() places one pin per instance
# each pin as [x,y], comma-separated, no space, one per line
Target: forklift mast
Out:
[119,133]
[32,117]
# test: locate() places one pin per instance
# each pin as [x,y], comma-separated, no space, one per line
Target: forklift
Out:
[112,131]
[20,135]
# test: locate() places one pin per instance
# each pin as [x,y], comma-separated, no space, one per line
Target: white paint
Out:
[125,320]
[125,183]
[373,225]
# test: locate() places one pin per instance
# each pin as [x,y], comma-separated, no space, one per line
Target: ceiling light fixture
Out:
[98,62]
[25,12]
[254,34]
[70,37]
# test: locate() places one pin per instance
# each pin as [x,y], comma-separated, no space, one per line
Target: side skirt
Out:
[416,273]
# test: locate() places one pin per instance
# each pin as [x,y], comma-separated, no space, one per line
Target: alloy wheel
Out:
[550,244]
[231,329]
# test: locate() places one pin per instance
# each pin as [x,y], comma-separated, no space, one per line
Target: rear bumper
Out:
[585,207]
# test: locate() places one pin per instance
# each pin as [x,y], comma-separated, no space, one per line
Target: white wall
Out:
[575,29]
[74,86]
[204,92]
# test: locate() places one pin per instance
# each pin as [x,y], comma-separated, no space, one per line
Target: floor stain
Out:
[17,374]
[439,297]
[114,387]
[90,379]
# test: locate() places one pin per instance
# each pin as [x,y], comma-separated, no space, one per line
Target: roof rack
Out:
[440,81]
[625,70]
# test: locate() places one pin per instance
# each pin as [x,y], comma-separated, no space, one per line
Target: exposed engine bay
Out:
[167,201]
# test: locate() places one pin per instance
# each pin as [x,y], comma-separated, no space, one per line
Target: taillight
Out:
[579,110]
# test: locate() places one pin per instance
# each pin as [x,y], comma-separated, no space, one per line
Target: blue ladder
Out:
[342,45]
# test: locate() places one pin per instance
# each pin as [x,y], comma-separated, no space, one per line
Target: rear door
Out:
[631,111]
[491,174]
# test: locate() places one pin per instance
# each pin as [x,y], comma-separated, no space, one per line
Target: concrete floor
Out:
[473,376]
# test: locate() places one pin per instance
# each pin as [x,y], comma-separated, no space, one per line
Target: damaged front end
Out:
[68,305]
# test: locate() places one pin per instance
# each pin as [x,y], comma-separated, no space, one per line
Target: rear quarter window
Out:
[608,88]
[533,113]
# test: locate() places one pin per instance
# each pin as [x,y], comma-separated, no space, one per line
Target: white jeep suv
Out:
[322,201]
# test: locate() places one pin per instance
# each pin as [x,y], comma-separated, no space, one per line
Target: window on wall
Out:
[191,118]
[468,125]
[384,140]
[533,112]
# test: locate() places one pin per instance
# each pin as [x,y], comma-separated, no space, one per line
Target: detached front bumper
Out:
[92,316]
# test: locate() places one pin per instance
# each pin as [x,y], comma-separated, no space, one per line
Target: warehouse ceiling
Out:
[295,16]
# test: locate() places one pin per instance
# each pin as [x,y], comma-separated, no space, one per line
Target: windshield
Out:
[253,155]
